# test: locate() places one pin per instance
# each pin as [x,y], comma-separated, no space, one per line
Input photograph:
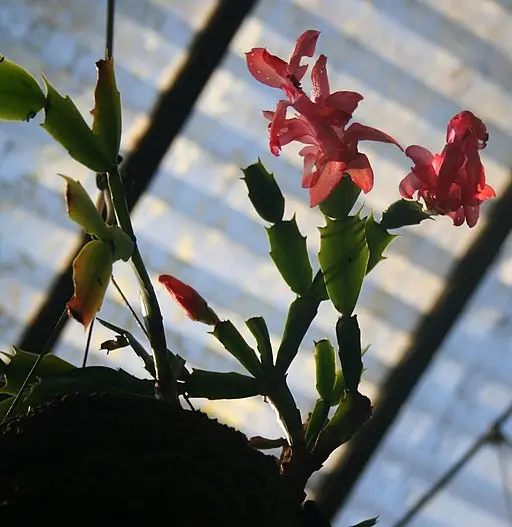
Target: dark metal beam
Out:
[462,282]
[170,113]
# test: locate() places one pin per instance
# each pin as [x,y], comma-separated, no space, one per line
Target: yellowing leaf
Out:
[107,111]
[92,270]
[82,210]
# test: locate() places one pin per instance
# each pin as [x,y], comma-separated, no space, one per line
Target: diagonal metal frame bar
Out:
[169,115]
[430,334]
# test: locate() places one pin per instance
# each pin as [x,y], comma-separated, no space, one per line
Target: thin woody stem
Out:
[166,382]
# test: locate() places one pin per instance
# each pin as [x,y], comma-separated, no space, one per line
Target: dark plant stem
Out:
[130,308]
[88,344]
[166,383]
[281,399]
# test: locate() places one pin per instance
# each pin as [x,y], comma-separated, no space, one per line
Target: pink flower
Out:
[320,122]
[194,305]
[452,183]
[275,72]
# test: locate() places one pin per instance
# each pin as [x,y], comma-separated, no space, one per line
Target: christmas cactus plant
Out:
[125,445]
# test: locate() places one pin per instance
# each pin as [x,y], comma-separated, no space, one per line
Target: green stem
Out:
[153,317]
[283,403]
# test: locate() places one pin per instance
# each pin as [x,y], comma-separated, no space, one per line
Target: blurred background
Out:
[417,63]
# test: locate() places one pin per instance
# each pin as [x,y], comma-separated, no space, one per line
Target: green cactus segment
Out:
[107,110]
[264,192]
[352,412]
[289,252]
[16,365]
[318,290]
[325,364]
[21,97]
[378,240]
[338,391]
[214,385]
[66,125]
[403,212]
[258,327]
[301,313]
[316,421]
[342,199]
[226,333]
[349,343]
[343,259]
[92,269]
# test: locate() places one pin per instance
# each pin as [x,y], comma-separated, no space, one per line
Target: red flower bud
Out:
[194,305]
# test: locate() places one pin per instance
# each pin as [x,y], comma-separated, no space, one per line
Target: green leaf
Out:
[21,97]
[349,343]
[92,379]
[66,125]
[368,523]
[343,259]
[258,327]
[92,269]
[226,333]
[342,199]
[301,313]
[264,192]
[214,385]
[18,363]
[378,239]
[289,252]
[325,363]
[339,390]
[82,210]
[107,122]
[403,212]
[317,421]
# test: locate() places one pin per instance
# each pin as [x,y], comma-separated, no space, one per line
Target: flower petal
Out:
[458,217]
[194,305]
[409,185]
[468,128]
[360,132]
[266,68]
[276,125]
[345,101]
[486,193]
[453,160]
[419,154]
[304,47]
[309,178]
[361,172]
[472,213]
[328,180]
[320,90]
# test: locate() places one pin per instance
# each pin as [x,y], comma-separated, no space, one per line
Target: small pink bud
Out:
[194,305]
